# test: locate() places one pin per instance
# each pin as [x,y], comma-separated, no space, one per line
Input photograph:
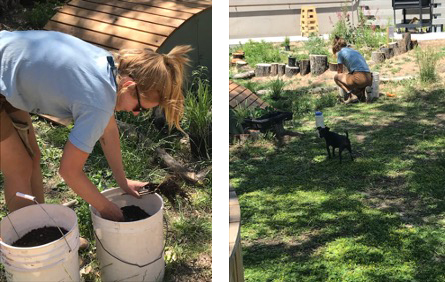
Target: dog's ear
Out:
[327,128]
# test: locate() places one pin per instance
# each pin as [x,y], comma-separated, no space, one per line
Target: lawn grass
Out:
[379,218]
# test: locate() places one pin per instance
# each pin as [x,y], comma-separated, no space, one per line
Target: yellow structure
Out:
[308,21]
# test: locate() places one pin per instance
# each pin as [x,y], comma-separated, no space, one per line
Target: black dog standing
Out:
[335,141]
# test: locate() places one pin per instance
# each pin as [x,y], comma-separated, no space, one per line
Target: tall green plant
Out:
[198,107]
[261,52]
[427,61]
[277,87]
[316,46]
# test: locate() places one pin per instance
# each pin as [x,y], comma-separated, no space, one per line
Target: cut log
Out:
[319,64]
[240,64]
[386,51]
[244,75]
[238,55]
[262,70]
[333,67]
[378,57]
[281,69]
[407,40]
[176,167]
[305,67]
[274,69]
[394,47]
[291,71]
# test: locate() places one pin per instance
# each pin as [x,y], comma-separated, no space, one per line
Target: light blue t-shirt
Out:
[353,60]
[48,72]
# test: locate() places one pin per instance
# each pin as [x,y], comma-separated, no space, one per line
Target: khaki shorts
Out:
[8,125]
[358,80]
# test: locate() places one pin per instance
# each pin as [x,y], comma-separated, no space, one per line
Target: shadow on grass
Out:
[299,208]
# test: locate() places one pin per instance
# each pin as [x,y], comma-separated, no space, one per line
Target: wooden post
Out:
[378,57]
[291,71]
[319,64]
[281,69]
[305,67]
[274,69]
[262,70]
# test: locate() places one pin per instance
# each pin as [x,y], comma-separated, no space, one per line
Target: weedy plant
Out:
[198,113]
[261,52]
[277,87]
[427,61]
[316,46]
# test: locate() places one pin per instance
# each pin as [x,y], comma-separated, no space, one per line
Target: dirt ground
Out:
[398,66]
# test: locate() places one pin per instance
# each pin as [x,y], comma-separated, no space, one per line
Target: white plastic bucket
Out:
[131,251]
[55,261]
[375,85]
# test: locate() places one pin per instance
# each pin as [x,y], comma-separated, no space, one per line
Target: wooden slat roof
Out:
[118,24]
[239,95]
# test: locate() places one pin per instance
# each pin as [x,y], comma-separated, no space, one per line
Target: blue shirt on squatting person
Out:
[359,76]
[48,72]
[353,60]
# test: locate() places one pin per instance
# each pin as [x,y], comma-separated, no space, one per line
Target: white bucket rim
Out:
[96,214]
[2,243]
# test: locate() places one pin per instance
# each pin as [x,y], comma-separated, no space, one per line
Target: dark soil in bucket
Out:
[39,236]
[134,213]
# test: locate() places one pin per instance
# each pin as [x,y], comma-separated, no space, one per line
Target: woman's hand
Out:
[112,212]
[133,186]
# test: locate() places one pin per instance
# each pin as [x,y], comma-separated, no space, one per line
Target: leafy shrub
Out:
[325,101]
[316,46]
[427,61]
[286,41]
[261,52]
[40,14]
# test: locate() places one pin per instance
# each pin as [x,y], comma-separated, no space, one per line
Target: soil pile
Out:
[39,236]
[168,188]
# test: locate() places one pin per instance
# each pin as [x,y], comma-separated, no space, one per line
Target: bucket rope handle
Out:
[135,264]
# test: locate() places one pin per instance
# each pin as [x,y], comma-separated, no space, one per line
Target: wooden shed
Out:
[159,25]
[240,95]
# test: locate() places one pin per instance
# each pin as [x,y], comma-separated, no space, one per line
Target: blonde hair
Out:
[161,72]
[338,44]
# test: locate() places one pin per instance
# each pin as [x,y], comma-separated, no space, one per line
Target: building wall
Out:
[271,18]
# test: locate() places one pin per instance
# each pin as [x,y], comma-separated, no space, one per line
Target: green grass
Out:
[380,218]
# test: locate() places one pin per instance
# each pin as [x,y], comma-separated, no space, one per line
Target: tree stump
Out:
[318,64]
[281,69]
[240,64]
[291,71]
[274,69]
[387,52]
[407,40]
[262,70]
[394,46]
[244,75]
[378,57]
[305,67]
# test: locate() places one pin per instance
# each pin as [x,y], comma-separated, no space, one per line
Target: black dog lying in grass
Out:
[335,141]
